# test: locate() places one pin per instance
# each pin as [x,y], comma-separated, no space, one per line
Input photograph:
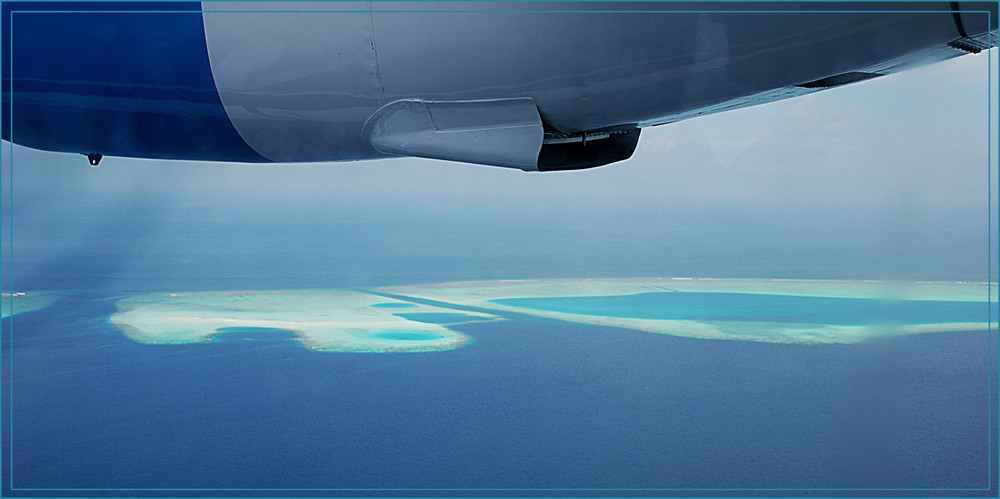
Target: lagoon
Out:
[762,308]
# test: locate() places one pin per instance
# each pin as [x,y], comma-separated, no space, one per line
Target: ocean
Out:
[530,406]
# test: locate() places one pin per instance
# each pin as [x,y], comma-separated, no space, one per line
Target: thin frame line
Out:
[372,11]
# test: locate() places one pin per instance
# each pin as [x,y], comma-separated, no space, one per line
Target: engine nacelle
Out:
[496,132]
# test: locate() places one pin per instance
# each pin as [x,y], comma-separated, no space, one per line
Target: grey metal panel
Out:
[590,70]
[506,132]
[298,86]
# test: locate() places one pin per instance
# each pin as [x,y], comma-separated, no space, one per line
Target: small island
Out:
[399,318]
[767,310]
[320,320]
[26,301]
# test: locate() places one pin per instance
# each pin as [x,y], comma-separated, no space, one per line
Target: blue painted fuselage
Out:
[135,81]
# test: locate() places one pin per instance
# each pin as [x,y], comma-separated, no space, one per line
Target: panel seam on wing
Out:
[378,73]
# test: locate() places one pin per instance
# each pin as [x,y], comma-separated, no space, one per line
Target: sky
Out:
[906,155]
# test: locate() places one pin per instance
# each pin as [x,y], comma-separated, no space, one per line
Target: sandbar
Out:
[497,296]
[26,301]
[321,320]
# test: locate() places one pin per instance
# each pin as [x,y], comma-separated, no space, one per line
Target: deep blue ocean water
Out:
[530,403]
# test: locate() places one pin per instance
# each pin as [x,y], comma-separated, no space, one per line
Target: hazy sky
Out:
[883,177]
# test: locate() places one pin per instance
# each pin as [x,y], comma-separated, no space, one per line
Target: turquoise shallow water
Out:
[252,333]
[436,317]
[407,336]
[393,305]
[762,308]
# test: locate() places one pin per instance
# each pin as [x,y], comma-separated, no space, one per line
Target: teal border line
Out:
[989,237]
[518,1]
[989,248]
[503,490]
[10,269]
[401,11]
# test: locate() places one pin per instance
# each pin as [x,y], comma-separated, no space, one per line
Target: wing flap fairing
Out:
[501,132]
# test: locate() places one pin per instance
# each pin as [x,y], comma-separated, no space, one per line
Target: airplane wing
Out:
[533,86]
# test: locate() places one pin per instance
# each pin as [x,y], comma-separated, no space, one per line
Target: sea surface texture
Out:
[211,345]
[528,384]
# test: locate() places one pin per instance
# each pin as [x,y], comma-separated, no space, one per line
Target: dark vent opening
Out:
[837,80]
[579,155]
